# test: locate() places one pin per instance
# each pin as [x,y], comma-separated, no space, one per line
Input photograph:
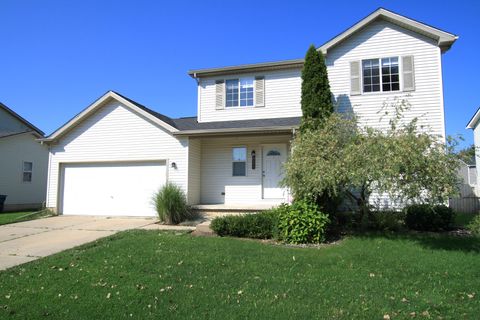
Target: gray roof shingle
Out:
[191,123]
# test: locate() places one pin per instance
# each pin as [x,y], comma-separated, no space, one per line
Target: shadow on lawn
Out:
[434,241]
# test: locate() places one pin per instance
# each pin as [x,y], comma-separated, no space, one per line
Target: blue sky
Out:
[57,57]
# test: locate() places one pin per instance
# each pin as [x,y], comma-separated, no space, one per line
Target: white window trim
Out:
[400,76]
[26,171]
[246,160]
[225,93]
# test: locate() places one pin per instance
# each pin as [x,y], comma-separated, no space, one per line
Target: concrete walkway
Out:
[26,241]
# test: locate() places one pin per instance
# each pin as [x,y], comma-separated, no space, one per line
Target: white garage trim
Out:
[112,188]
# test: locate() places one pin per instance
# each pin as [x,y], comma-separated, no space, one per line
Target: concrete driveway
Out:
[26,241]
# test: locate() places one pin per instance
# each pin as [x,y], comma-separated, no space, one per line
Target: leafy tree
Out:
[467,154]
[316,95]
[404,162]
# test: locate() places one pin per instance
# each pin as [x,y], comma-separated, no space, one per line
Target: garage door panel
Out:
[121,189]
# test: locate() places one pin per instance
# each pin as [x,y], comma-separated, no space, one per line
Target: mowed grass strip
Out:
[147,275]
[12,217]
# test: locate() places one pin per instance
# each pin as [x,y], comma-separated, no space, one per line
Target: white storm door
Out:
[274,156]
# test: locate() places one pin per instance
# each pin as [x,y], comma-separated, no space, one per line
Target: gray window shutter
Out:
[355,81]
[259,91]
[408,73]
[219,94]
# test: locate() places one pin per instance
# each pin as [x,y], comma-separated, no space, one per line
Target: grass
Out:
[147,275]
[12,217]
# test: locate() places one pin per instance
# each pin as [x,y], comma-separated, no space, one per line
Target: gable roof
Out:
[444,40]
[163,121]
[179,126]
[32,128]
[474,120]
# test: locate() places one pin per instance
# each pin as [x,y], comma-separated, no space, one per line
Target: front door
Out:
[274,156]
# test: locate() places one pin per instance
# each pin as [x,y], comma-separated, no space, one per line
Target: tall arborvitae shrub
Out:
[316,95]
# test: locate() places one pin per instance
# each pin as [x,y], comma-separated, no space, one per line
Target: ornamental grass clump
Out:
[171,204]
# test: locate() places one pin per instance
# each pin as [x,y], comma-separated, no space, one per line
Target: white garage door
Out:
[123,189]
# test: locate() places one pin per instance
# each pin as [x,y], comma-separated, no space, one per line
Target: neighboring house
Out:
[23,162]
[112,156]
[473,124]
[468,177]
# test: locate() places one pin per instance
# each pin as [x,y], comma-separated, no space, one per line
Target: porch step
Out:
[220,209]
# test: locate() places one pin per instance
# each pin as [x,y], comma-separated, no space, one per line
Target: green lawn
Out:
[147,275]
[12,217]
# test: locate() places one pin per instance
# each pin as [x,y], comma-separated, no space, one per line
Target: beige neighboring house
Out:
[23,162]
[112,156]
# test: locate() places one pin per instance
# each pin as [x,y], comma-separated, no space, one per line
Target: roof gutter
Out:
[245,68]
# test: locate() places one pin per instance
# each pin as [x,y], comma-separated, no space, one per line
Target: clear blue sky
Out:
[57,57]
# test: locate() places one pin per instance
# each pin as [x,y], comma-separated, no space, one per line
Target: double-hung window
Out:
[239,92]
[380,75]
[27,171]
[239,161]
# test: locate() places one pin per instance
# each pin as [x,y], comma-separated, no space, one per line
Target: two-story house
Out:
[112,156]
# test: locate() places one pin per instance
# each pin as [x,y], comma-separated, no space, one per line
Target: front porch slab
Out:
[242,207]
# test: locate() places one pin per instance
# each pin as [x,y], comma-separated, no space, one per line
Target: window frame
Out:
[238,79]
[400,82]
[236,161]
[27,171]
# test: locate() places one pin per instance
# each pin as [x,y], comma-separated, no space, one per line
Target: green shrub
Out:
[171,204]
[386,221]
[302,222]
[262,225]
[424,217]
[474,226]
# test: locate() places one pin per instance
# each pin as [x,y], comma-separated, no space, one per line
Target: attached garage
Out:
[112,157]
[119,189]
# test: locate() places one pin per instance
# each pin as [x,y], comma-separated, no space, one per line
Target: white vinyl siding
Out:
[14,151]
[383,39]
[476,141]
[281,98]
[216,169]
[194,158]
[116,133]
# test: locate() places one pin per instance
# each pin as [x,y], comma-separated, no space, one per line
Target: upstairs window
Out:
[380,75]
[27,171]
[239,92]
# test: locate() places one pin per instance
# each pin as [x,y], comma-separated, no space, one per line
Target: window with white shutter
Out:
[219,94]
[355,81]
[259,91]
[408,73]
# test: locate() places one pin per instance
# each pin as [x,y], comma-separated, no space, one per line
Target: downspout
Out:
[199,97]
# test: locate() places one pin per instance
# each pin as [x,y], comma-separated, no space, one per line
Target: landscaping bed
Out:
[147,274]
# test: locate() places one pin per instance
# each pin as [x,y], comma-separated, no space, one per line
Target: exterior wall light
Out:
[253,160]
